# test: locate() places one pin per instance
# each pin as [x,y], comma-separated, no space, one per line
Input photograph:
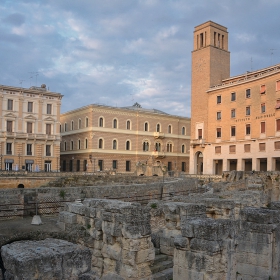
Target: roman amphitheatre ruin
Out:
[106,226]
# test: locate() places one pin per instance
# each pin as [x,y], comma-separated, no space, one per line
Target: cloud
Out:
[15,19]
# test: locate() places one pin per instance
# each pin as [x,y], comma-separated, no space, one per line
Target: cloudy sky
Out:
[118,52]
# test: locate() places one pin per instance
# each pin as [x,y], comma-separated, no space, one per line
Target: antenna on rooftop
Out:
[272,53]
[33,74]
[20,82]
[251,64]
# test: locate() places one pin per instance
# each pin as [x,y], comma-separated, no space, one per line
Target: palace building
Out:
[99,138]
[29,129]
[235,121]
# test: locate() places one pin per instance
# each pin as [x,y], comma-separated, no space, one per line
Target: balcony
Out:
[157,154]
[198,142]
[22,135]
[159,135]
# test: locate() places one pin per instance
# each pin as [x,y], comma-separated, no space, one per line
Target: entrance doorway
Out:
[218,165]
[263,164]
[28,167]
[48,166]
[8,166]
[232,164]
[199,163]
[247,164]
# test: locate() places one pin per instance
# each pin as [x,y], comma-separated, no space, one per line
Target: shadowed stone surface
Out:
[46,259]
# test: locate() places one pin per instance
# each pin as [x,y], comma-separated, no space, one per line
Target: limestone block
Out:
[46,259]
[107,216]
[98,224]
[108,239]
[114,229]
[254,248]
[89,276]
[253,271]
[144,256]
[109,265]
[136,230]
[260,215]
[137,244]
[205,245]
[98,262]
[77,208]
[90,212]
[97,234]
[192,210]
[129,257]
[111,251]
[81,220]
[184,274]
[181,242]
[61,225]
[97,253]
[67,217]
[111,276]
[135,272]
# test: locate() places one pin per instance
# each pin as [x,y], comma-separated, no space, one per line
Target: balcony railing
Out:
[159,135]
[195,142]
[29,135]
[159,154]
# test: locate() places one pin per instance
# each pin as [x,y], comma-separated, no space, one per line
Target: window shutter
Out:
[262,146]
[232,149]
[278,125]
[262,127]
[247,148]
[218,149]
[277,145]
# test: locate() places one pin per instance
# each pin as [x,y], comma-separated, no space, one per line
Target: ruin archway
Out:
[198,163]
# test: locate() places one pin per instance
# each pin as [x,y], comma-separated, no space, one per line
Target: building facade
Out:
[235,121]
[29,127]
[97,138]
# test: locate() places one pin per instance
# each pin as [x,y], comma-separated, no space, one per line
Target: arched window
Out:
[169,129]
[86,143]
[128,125]
[169,147]
[80,123]
[157,147]
[115,123]
[65,127]
[114,144]
[65,145]
[183,130]
[72,145]
[101,122]
[158,127]
[79,144]
[86,122]
[145,146]
[72,125]
[146,126]
[100,143]
[127,145]
[183,148]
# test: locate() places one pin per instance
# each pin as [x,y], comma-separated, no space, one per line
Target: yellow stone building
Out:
[29,127]
[235,121]
[98,138]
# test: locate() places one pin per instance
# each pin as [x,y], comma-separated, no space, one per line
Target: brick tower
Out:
[210,65]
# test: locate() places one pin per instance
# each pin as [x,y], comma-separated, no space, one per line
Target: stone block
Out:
[46,259]
[67,217]
[253,271]
[147,255]
[181,242]
[136,244]
[77,208]
[129,257]
[90,212]
[184,274]
[260,215]
[208,246]
[97,262]
[111,251]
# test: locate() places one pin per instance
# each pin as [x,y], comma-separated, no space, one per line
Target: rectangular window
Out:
[232,131]
[71,165]
[278,85]
[183,166]
[199,133]
[9,126]
[233,96]
[30,107]
[78,165]
[232,149]
[127,165]
[29,149]
[262,89]
[277,145]
[262,127]
[9,148]
[248,129]
[248,111]
[263,107]
[248,93]
[115,164]
[217,149]
[10,104]
[49,109]
[72,145]
[100,164]
[85,165]
[64,165]
[262,147]
[48,150]
[48,129]
[219,132]
[219,115]
[278,125]
[219,99]
[247,148]
[29,127]
[233,113]
[86,122]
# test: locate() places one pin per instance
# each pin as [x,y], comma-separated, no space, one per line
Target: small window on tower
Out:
[219,99]
[262,90]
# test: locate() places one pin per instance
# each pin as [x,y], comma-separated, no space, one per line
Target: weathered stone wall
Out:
[120,236]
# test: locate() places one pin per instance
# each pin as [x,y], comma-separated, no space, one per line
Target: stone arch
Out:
[20,186]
